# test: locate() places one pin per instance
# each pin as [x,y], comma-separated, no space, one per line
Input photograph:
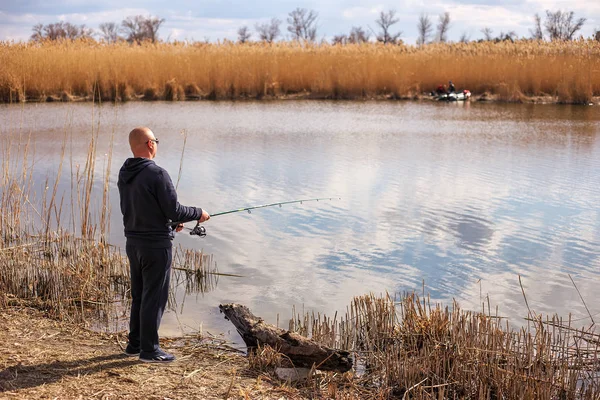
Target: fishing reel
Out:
[198,230]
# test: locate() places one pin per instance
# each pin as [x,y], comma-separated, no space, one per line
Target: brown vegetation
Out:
[53,252]
[408,349]
[44,359]
[566,71]
[411,348]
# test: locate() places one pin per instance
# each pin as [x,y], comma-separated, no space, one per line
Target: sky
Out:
[218,19]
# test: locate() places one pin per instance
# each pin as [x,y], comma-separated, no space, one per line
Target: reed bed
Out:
[54,252]
[61,264]
[413,349]
[64,71]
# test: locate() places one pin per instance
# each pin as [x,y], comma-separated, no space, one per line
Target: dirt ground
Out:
[46,359]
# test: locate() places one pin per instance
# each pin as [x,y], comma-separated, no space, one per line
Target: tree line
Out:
[134,29]
[302,25]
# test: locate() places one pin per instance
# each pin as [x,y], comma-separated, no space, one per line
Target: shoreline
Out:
[46,358]
[481,98]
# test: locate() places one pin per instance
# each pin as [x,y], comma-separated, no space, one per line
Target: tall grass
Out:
[568,71]
[43,261]
[411,348]
[53,244]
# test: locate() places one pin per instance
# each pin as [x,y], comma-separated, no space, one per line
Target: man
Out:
[149,203]
[451,88]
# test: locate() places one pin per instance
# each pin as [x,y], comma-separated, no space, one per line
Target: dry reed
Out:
[40,260]
[566,71]
[413,349]
[69,269]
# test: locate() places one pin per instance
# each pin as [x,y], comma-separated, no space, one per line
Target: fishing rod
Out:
[199,230]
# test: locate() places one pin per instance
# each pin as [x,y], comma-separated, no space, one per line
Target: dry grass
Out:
[566,71]
[41,258]
[44,359]
[53,249]
[412,349]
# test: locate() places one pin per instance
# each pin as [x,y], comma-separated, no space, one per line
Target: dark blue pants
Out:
[150,276]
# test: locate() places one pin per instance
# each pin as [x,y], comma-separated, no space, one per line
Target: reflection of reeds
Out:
[428,351]
[196,270]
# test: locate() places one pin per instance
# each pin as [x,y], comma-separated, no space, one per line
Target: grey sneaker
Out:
[158,356]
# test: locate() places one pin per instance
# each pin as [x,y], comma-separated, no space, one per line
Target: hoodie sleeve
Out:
[167,200]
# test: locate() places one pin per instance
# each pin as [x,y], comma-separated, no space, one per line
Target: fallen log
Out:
[301,351]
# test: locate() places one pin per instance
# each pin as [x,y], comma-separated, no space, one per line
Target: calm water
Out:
[462,197]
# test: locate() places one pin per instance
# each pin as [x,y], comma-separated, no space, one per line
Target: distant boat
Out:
[461,96]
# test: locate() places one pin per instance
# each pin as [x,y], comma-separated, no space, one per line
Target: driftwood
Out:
[301,351]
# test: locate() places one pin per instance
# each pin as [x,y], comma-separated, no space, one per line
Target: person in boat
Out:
[148,203]
[451,88]
[441,89]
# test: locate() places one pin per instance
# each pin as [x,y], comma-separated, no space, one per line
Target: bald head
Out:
[142,142]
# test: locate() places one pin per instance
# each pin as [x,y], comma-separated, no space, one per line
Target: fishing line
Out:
[199,230]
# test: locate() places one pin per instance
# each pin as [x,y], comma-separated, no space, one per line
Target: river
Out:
[462,198]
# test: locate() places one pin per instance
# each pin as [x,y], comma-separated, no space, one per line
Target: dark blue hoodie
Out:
[149,202]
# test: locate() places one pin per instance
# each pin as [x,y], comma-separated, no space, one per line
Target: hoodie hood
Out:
[132,167]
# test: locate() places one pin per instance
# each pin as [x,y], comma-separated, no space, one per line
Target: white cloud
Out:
[487,16]
[360,12]
[335,16]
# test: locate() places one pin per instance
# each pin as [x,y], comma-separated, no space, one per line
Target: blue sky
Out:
[215,19]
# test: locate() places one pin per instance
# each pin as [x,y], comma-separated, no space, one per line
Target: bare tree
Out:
[358,35]
[385,22]
[152,25]
[443,26]
[510,36]
[342,38]
[134,29]
[38,32]
[55,31]
[244,34]
[60,30]
[139,28]
[86,32]
[562,25]
[464,38]
[72,31]
[424,27]
[536,32]
[109,32]
[487,34]
[269,31]
[302,24]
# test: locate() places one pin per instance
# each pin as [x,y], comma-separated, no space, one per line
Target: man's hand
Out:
[205,217]
[179,228]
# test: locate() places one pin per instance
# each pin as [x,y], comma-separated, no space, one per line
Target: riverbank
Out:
[47,359]
[424,351]
[119,72]
[424,97]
